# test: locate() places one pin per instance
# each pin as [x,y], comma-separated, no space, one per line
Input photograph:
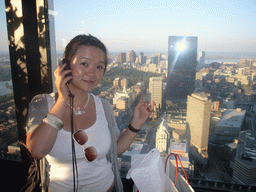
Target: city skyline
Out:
[145,26]
[212,107]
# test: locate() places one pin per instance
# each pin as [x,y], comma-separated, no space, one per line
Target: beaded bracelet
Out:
[53,121]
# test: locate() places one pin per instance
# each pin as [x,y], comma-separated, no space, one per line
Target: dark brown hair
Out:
[87,40]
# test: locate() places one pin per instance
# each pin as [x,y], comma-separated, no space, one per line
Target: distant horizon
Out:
[165,52]
[209,55]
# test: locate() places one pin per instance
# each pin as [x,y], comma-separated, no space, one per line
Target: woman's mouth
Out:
[89,82]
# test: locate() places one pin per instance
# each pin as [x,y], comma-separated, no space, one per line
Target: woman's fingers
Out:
[61,80]
[60,74]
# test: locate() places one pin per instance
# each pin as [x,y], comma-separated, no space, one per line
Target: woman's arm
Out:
[124,141]
[141,113]
[42,139]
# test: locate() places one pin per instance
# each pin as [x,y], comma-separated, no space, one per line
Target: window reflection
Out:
[9,141]
[196,100]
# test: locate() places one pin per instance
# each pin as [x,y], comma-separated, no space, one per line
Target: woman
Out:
[49,123]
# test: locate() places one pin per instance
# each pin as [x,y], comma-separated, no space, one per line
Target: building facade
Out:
[122,57]
[125,93]
[130,56]
[182,63]
[198,118]
[156,90]
[122,103]
[244,170]
[163,137]
[201,59]
[125,82]
[116,82]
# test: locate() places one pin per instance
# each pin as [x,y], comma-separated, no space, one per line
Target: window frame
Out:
[30,55]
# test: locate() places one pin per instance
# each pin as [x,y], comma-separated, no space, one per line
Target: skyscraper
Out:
[141,58]
[133,56]
[182,62]
[156,90]
[159,57]
[130,56]
[122,57]
[198,119]
[201,59]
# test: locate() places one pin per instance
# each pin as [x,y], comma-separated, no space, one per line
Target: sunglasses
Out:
[81,138]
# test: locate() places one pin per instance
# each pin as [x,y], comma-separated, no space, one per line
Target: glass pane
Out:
[197,62]
[9,141]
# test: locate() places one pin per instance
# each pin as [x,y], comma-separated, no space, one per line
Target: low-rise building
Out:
[231,122]
[163,137]
[125,93]
[180,147]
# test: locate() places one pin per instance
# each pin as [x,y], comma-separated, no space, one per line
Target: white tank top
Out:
[96,175]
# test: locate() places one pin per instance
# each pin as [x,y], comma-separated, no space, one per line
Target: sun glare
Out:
[181,46]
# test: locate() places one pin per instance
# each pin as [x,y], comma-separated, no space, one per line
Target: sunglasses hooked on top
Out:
[81,138]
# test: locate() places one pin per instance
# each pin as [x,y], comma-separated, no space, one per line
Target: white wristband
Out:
[53,121]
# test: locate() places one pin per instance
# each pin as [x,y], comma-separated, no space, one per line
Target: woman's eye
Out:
[100,67]
[84,64]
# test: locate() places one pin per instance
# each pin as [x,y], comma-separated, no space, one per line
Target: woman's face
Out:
[88,65]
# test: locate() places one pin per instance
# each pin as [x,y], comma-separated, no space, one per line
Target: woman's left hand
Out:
[141,113]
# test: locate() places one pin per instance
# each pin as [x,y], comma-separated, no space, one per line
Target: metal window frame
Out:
[30,55]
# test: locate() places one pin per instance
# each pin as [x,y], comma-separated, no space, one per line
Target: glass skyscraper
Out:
[182,62]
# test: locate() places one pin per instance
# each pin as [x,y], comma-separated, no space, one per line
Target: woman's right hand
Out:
[61,81]
[42,139]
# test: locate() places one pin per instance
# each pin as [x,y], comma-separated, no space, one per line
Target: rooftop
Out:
[136,148]
[201,96]
[232,118]
[246,155]
[178,145]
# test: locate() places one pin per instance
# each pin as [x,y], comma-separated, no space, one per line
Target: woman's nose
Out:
[91,70]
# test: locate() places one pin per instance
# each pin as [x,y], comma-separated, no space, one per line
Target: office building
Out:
[152,68]
[231,122]
[156,90]
[182,62]
[180,147]
[154,60]
[141,58]
[198,118]
[122,58]
[116,82]
[201,59]
[178,127]
[159,57]
[122,103]
[244,171]
[125,82]
[133,56]
[125,93]
[163,137]
[130,56]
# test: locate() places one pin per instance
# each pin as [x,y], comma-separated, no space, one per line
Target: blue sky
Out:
[225,25]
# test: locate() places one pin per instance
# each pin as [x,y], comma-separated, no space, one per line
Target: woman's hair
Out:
[87,40]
